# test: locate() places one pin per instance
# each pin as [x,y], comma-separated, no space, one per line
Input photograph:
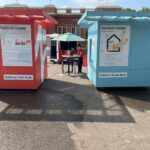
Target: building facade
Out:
[67,18]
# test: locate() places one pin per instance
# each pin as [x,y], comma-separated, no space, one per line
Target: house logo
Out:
[113,44]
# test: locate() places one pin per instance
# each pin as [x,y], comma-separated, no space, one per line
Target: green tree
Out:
[129,9]
[145,9]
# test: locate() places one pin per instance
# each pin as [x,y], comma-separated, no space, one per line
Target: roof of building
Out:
[15,5]
[109,6]
[25,14]
[90,17]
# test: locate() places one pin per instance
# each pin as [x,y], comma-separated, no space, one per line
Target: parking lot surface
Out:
[68,113]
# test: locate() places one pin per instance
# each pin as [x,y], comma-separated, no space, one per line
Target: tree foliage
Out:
[145,9]
[129,9]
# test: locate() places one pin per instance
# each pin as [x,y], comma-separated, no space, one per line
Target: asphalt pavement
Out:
[68,113]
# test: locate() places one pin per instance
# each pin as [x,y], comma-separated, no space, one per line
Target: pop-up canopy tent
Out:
[118,48]
[69,37]
[63,43]
[23,48]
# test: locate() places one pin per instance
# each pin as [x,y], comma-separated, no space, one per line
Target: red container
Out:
[85,60]
[23,52]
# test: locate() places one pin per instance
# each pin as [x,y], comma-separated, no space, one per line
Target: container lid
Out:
[92,16]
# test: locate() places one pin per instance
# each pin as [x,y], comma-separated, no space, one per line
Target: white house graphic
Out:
[113,43]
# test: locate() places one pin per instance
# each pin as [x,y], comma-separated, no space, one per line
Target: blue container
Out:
[118,48]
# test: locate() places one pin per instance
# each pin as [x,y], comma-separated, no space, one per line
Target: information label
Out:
[18,77]
[114,45]
[113,74]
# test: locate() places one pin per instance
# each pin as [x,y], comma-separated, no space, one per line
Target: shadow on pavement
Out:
[62,101]
[136,98]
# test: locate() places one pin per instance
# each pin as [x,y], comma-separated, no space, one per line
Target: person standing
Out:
[80,53]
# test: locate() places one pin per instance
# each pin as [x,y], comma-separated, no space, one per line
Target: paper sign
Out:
[114,45]
[16,45]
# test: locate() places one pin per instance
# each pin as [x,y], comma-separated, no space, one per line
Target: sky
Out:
[135,4]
